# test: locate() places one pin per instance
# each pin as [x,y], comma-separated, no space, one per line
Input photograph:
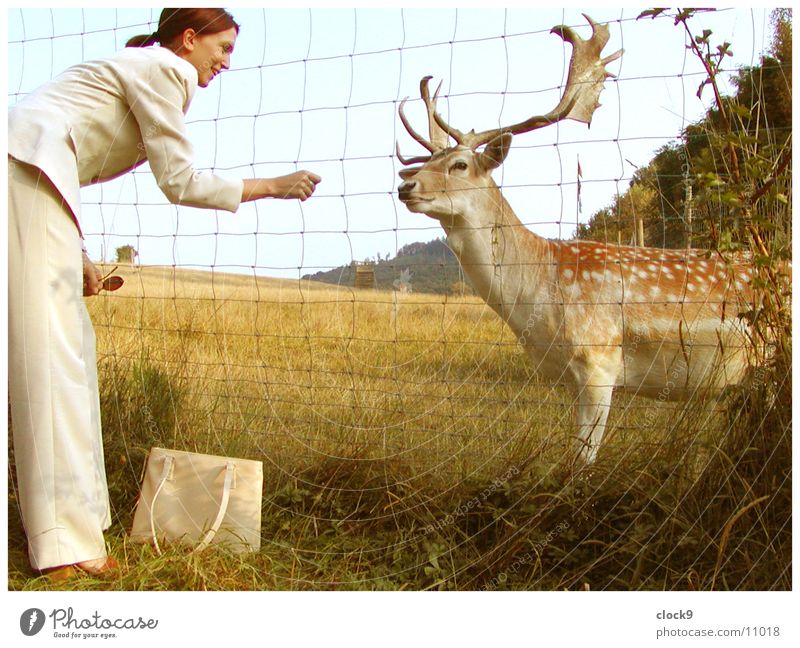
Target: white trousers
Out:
[52,375]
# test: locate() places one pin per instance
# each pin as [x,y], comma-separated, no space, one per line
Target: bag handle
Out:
[223,505]
[166,470]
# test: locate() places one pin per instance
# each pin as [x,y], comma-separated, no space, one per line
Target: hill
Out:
[432,266]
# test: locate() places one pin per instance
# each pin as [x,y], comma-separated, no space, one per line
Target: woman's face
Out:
[209,53]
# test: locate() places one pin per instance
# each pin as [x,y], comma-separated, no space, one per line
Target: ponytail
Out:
[143,40]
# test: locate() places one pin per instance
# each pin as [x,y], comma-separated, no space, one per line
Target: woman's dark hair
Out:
[173,22]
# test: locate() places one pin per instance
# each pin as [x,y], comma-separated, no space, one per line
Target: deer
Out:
[598,317]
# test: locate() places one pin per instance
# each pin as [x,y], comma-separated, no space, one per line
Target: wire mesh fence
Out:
[245,332]
[237,131]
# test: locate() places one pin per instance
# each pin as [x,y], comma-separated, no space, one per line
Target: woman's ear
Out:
[188,39]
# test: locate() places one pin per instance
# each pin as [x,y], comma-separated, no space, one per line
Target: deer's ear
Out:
[495,151]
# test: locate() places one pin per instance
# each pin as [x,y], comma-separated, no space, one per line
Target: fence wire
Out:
[386,410]
[227,337]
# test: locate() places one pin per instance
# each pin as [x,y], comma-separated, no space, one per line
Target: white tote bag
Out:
[199,499]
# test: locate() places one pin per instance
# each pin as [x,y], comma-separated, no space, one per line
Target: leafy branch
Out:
[752,198]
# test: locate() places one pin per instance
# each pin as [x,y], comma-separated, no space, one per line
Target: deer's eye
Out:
[459,166]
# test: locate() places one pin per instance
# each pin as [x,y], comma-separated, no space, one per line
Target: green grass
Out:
[407,446]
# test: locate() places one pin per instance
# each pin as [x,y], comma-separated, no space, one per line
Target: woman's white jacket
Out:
[102,118]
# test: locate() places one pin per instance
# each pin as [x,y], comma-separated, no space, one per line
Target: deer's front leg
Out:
[594,403]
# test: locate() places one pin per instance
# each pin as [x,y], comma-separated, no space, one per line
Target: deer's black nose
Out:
[405,189]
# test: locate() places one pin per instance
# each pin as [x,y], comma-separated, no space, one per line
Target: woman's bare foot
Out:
[99,568]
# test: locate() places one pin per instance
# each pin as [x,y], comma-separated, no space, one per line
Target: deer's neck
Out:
[504,260]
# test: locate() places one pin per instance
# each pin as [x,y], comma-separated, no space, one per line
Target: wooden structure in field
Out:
[364,276]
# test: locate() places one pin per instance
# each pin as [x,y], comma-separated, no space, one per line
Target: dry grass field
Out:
[407,444]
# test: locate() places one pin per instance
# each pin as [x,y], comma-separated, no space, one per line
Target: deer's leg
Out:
[594,403]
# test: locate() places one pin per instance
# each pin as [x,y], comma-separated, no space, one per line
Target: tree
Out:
[617,223]
[126,254]
[740,150]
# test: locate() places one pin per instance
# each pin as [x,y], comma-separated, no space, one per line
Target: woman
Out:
[94,122]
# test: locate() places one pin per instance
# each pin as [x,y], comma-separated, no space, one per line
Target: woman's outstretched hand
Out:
[299,185]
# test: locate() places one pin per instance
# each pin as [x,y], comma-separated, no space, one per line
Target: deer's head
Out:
[453,180]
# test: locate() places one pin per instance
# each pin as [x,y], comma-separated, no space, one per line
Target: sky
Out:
[318,89]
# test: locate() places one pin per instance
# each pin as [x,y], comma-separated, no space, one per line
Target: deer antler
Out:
[439,138]
[587,74]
